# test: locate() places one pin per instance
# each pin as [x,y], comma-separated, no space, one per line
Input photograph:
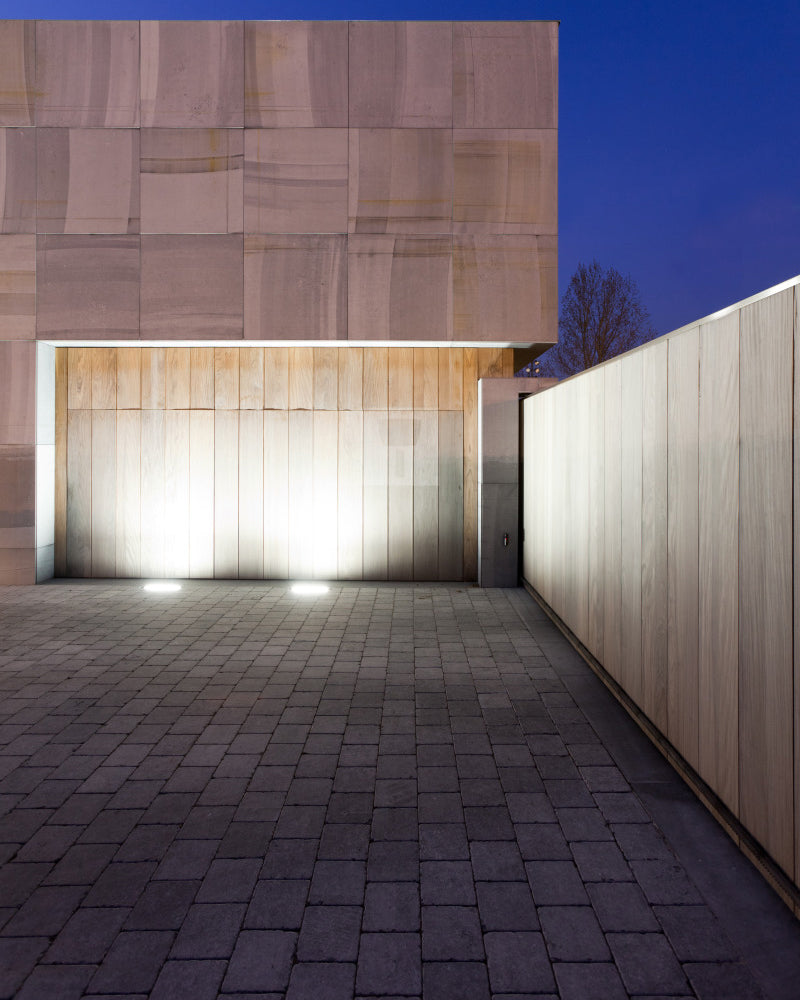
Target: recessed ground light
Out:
[162,587]
[309,588]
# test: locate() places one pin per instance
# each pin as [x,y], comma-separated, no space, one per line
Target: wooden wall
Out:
[269,462]
[662,528]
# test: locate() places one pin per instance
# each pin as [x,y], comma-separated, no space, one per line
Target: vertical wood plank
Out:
[631,376]
[401,495]
[451,378]
[79,373]
[612,529]
[326,378]
[251,380]
[201,492]
[401,378]
[153,492]
[376,494]
[226,492]
[276,494]
[301,379]
[129,378]
[426,495]
[491,362]
[595,430]
[324,523]
[177,501]
[579,536]
[531,513]
[376,378]
[683,540]
[351,378]
[178,378]
[226,379]
[202,377]
[655,574]
[276,378]
[796,592]
[470,403]
[251,495]
[104,378]
[61,408]
[128,494]
[451,495]
[718,627]
[301,484]
[765,575]
[79,491]
[351,492]
[426,378]
[153,378]
[103,486]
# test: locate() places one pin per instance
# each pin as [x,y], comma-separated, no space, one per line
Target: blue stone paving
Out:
[394,791]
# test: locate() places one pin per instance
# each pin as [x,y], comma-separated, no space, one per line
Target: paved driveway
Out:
[388,791]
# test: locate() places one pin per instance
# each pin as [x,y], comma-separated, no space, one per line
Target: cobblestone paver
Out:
[388,791]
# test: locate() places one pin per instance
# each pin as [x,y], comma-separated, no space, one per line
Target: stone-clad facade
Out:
[271,183]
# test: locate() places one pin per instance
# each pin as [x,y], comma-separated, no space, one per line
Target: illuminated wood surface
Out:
[270,462]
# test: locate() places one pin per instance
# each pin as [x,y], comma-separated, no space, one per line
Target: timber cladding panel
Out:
[688,461]
[269,462]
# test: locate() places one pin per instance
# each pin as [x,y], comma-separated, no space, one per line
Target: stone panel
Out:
[17,392]
[17,180]
[295,288]
[505,181]
[401,74]
[17,72]
[399,288]
[192,180]
[18,287]
[191,287]
[88,180]
[87,287]
[87,73]
[401,180]
[17,497]
[505,288]
[505,74]
[295,73]
[17,567]
[193,74]
[296,180]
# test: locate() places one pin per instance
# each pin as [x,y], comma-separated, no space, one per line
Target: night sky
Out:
[679,138]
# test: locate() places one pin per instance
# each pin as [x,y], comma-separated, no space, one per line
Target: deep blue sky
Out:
[679,133]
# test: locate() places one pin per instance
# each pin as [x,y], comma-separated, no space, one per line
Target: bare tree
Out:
[601,316]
